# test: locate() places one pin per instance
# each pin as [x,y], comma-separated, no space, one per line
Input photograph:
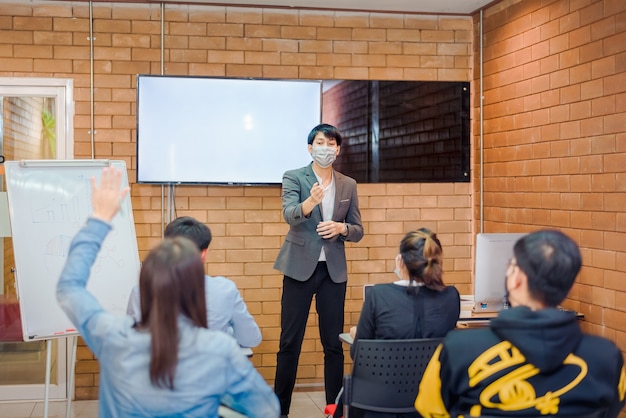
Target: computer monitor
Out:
[493,252]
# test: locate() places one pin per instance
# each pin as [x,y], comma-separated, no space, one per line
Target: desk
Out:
[345,337]
[469,318]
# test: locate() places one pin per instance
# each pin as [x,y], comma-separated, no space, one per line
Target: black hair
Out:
[190,228]
[551,260]
[329,131]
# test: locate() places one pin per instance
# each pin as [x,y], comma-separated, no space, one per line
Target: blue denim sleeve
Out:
[248,392]
[77,302]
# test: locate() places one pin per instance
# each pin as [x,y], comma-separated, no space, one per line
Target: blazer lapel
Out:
[310,181]
[339,190]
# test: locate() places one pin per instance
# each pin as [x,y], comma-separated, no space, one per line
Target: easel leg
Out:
[47,385]
[70,386]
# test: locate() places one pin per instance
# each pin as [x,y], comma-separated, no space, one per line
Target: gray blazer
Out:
[301,250]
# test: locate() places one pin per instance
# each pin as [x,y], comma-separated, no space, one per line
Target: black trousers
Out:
[295,305]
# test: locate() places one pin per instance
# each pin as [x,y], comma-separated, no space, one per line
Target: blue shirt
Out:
[226,310]
[210,365]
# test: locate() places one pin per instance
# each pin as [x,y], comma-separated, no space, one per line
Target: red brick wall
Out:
[555,138]
[50,39]
[24,139]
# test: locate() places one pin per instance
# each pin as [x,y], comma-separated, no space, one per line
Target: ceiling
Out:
[457,7]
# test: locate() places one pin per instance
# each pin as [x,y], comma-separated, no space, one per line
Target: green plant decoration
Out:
[49,130]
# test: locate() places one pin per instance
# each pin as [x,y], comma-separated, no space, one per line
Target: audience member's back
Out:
[226,309]
[533,359]
[208,362]
[418,305]
[168,364]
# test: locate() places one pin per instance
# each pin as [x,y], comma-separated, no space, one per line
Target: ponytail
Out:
[422,254]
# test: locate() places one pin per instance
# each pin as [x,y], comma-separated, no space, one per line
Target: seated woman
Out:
[418,305]
[169,364]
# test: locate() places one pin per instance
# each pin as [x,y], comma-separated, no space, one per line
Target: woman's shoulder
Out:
[386,291]
[380,288]
[452,291]
[448,294]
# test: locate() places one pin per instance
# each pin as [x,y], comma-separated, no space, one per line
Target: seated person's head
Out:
[549,262]
[190,228]
[421,258]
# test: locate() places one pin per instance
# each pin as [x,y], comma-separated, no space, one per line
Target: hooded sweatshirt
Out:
[527,363]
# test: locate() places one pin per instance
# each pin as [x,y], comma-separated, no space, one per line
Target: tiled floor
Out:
[303,405]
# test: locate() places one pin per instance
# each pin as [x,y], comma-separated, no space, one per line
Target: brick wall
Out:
[555,138]
[50,39]
[21,135]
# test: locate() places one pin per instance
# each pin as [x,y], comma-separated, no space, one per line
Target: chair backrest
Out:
[386,373]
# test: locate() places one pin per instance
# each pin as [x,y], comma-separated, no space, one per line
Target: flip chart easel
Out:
[49,201]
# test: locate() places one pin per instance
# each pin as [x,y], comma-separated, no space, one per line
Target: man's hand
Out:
[317,193]
[329,229]
[107,197]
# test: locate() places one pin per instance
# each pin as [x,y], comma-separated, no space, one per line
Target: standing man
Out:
[322,209]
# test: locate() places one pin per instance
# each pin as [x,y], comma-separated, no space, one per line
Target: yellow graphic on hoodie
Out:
[513,391]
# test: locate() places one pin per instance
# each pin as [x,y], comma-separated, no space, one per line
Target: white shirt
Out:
[328,205]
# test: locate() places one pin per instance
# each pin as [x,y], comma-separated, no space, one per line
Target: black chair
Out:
[386,374]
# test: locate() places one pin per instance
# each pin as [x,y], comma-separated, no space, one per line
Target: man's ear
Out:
[203,254]
[518,279]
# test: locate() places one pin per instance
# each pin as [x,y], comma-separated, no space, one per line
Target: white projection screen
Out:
[201,130]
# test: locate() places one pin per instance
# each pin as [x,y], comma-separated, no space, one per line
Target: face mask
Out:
[324,156]
[507,303]
[396,271]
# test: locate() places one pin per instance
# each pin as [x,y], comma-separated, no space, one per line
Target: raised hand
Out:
[106,198]
[317,193]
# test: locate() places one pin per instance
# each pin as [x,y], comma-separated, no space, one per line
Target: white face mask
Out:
[323,155]
[397,271]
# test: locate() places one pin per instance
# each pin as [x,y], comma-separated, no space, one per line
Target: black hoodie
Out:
[527,363]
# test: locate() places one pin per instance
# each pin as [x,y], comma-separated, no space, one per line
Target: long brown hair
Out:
[422,255]
[171,283]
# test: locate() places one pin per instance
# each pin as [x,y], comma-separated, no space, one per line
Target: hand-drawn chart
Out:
[49,200]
